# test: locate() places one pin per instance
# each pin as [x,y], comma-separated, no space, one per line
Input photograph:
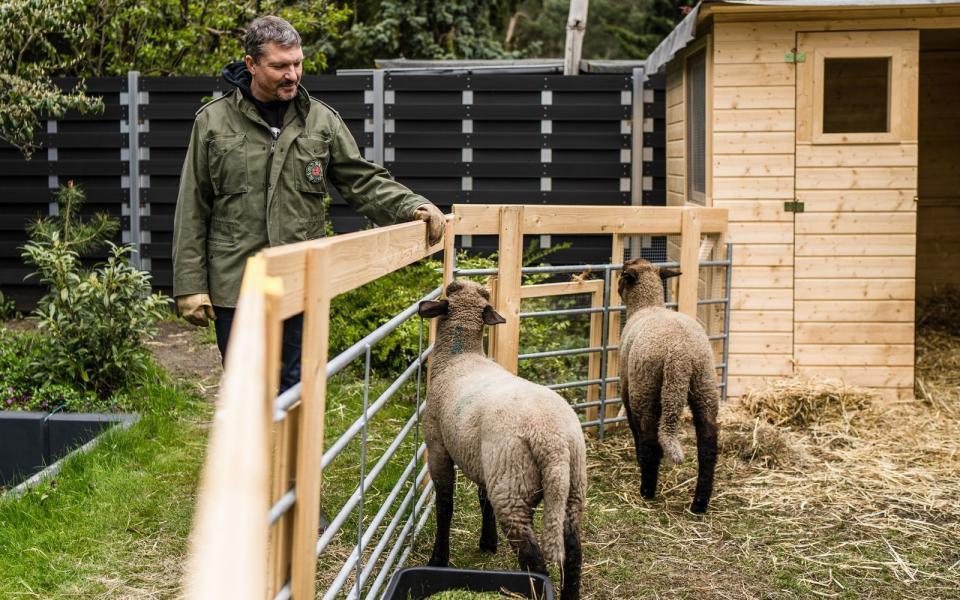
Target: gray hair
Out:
[264,30]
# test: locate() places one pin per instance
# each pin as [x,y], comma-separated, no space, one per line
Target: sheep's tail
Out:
[673,398]
[553,461]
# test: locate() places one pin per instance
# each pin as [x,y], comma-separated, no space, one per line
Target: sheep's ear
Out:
[667,274]
[492,317]
[430,308]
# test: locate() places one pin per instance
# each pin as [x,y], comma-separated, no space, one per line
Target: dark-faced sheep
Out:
[666,363]
[518,441]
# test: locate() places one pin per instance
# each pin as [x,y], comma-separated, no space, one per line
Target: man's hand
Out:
[196,309]
[434,219]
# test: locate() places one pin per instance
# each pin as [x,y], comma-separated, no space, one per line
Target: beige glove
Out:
[434,219]
[196,309]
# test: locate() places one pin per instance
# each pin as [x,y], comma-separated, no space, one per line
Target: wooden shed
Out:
[830,129]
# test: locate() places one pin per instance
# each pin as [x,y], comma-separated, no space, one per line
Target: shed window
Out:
[696,128]
[856,95]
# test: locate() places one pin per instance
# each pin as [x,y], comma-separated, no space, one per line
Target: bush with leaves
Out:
[355,314]
[8,309]
[93,319]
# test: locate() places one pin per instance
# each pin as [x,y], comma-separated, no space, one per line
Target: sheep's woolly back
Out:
[520,440]
[665,355]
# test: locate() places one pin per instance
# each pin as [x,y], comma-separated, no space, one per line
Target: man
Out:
[257,170]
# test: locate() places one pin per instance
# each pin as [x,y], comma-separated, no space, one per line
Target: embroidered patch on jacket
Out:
[314,171]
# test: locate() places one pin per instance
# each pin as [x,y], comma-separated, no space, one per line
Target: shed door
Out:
[856,177]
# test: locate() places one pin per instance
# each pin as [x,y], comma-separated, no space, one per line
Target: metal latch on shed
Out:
[795,57]
[794,207]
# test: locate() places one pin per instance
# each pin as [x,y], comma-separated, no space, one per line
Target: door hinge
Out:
[795,57]
[794,207]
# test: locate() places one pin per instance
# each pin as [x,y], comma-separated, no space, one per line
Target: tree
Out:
[423,29]
[45,39]
[615,29]
[28,58]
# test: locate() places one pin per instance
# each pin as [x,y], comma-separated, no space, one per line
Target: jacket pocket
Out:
[222,234]
[312,155]
[315,227]
[228,164]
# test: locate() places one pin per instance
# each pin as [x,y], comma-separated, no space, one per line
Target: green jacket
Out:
[241,191]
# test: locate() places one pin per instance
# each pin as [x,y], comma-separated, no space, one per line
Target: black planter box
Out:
[415,583]
[31,440]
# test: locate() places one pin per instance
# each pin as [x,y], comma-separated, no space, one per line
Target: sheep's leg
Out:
[524,542]
[649,451]
[488,530]
[516,519]
[704,408]
[572,555]
[444,476]
[572,562]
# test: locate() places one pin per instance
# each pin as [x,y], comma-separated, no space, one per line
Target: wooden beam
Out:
[306,514]
[510,255]
[278,564]
[355,259]
[641,220]
[613,331]
[689,262]
[593,360]
[228,546]
[565,288]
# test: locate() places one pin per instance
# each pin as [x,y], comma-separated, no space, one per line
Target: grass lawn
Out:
[114,522]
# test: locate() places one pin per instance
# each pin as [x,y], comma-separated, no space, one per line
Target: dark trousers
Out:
[290,348]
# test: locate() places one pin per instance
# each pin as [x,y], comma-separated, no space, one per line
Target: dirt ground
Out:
[187,355]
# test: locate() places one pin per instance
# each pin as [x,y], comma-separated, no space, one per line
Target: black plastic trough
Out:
[415,583]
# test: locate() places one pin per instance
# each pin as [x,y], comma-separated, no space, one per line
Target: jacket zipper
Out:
[275,133]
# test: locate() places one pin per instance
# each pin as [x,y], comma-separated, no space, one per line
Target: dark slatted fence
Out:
[455,138]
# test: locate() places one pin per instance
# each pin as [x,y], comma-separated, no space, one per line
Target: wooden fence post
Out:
[306,514]
[510,256]
[689,262]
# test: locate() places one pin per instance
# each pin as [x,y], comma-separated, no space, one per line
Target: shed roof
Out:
[685,32]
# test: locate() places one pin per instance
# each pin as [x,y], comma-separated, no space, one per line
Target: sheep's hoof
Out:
[698,507]
[490,547]
[436,562]
[648,494]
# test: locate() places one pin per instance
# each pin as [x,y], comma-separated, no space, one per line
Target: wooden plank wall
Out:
[938,210]
[676,148]
[753,174]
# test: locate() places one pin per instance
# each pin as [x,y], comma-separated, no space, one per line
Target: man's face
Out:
[277,73]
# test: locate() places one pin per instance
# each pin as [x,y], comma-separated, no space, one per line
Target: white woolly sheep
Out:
[518,441]
[666,362]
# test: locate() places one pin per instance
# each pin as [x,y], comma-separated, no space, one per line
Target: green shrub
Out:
[18,349]
[8,309]
[355,314]
[94,319]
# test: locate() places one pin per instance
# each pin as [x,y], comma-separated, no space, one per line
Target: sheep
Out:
[518,441]
[665,362]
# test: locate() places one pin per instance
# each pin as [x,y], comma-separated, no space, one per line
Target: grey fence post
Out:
[636,145]
[53,181]
[133,149]
[378,116]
